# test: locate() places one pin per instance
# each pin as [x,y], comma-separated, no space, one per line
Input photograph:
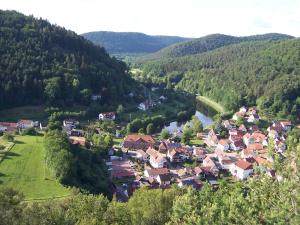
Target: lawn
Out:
[118,141]
[25,112]
[23,169]
[219,108]
[196,142]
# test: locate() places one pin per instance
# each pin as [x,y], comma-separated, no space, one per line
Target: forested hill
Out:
[262,73]
[208,43]
[131,42]
[42,63]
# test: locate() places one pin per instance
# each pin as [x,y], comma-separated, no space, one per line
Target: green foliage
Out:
[8,137]
[208,43]
[58,155]
[182,116]
[187,134]
[120,109]
[262,73]
[29,131]
[196,125]
[47,63]
[165,134]
[129,43]
[140,125]
[150,128]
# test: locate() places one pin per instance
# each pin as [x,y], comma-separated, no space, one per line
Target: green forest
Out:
[131,42]
[259,73]
[208,43]
[43,63]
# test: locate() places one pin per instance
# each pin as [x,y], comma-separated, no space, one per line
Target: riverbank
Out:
[210,103]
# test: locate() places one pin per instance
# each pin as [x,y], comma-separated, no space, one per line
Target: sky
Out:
[188,18]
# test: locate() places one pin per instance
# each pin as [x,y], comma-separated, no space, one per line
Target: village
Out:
[142,160]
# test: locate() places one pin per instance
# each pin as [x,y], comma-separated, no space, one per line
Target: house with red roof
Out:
[138,141]
[241,169]
[211,139]
[223,144]
[10,127]
[23,124]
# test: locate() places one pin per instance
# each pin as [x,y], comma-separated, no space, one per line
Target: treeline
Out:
[208,43]
[130,43]
[42,63]
[73,165]
[253,73]
[255,202]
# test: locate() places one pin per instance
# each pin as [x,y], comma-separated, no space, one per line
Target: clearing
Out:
[216,106]
[23,169]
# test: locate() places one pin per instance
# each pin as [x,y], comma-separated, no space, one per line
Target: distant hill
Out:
[42,63]
[131,42]
[209,42]
[260,73]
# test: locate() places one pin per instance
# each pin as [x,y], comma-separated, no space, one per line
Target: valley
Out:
[128,128]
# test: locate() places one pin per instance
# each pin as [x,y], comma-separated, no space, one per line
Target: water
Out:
[176,126]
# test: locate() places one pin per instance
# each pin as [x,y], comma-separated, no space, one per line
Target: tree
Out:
[165,134]
[150,128]
[141,131]
[196,125]
[187,134]
[10,206]
[8,137]
[120,109]
[53,89]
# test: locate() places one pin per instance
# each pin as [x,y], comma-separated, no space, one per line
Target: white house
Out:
[146,105]
[70,123]
[243,109]
[253,118]
[223,144]
[107,116]
[157,160]
[241,169]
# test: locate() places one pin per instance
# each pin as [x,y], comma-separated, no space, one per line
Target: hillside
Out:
[262,73]
[209,42]
[42,63]
[131,42]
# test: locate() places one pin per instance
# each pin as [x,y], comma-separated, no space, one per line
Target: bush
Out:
[8,137]
[29,131]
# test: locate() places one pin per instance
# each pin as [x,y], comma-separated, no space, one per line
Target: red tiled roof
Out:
[6,124]
[27,122]
[255,146]
[243,165]
[158,171]
[223,142]
[136,137]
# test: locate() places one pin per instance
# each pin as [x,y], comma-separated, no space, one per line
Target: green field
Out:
[24,112]
[23,169]
[216,106]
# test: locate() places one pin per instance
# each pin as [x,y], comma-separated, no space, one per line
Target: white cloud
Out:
[192,18]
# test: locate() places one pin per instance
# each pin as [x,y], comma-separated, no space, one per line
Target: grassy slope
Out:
[25,112]
[211,103]
[23,169]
